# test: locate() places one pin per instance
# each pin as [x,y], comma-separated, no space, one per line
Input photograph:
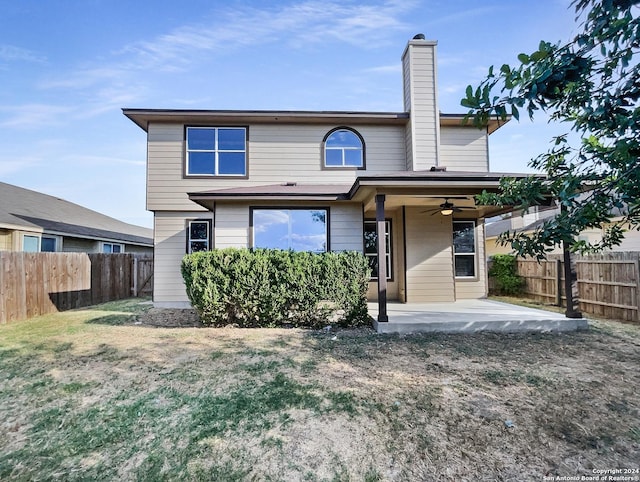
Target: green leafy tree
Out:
[592,85]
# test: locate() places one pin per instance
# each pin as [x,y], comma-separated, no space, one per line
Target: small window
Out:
[464,248]
[48,244]
[371,247]
[112,248]
[199,236]
[343,147]
[296,229]
[216,151]
[30,244]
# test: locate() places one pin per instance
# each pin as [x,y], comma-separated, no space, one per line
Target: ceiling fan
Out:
[448,208]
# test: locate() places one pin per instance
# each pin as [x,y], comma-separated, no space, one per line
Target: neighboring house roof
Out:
[142,117]
[22,208]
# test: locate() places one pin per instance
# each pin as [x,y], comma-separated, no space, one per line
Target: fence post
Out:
[558,283]
[134,278]
[637,269]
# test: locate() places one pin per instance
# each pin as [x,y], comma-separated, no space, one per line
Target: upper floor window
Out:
[216,151]
[343,147]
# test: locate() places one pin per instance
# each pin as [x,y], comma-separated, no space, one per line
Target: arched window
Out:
[343,147]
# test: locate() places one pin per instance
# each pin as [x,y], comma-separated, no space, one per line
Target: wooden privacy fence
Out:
[33,284]
[608,283]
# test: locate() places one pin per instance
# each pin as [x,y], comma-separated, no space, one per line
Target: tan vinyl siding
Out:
[474,289]
[346,227]
[429,257]
[5,240]
[136,249]
[409,147]
[78,245]
[464,149]
[231,226]
[170,247]
[631,241]
[276,154]
[419,60]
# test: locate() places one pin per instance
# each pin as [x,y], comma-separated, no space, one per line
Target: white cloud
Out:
[33,115]
[9,53]
[386,69]
[365,26]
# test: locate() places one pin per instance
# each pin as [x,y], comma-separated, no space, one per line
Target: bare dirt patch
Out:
[128,392]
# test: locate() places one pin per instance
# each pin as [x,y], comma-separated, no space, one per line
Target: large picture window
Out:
[216,151]
[296,229]
[371,247]
[199,236]
[343,148]
[464,248]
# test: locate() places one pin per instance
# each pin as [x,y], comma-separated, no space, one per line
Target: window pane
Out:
[107,248]
[370,238]
[465,266]
[297,229]
[271,228]
[463,237]
[308,230]
[343,138]
[231,140]
[201,139]
[199,231]
[195,246]
[231,163]
[30,244]
[48,245]
[202,163]
[373,264]
[371,246]
[353,157]
[333,157]
[117,248]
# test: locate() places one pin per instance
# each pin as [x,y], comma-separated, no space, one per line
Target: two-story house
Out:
[327,181]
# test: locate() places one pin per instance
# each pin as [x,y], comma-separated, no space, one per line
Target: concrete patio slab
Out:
[470,316]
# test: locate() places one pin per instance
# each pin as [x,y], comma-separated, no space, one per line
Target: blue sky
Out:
[68,67]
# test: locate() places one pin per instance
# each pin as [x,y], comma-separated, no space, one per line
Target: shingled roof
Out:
[24,208]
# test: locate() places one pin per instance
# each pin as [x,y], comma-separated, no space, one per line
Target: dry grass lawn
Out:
[105,394]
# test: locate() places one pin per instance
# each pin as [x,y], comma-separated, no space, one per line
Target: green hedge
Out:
[270,287]
[504,271]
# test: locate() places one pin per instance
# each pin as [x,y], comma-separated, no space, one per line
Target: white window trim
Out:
[57,240]
[474,254]
[30,235]
[102,245]
[388,254]
[208,238]
[289,208]
[343,150]
[215,151]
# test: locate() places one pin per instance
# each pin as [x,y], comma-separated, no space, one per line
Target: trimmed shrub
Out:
[271,287]
[504,272]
